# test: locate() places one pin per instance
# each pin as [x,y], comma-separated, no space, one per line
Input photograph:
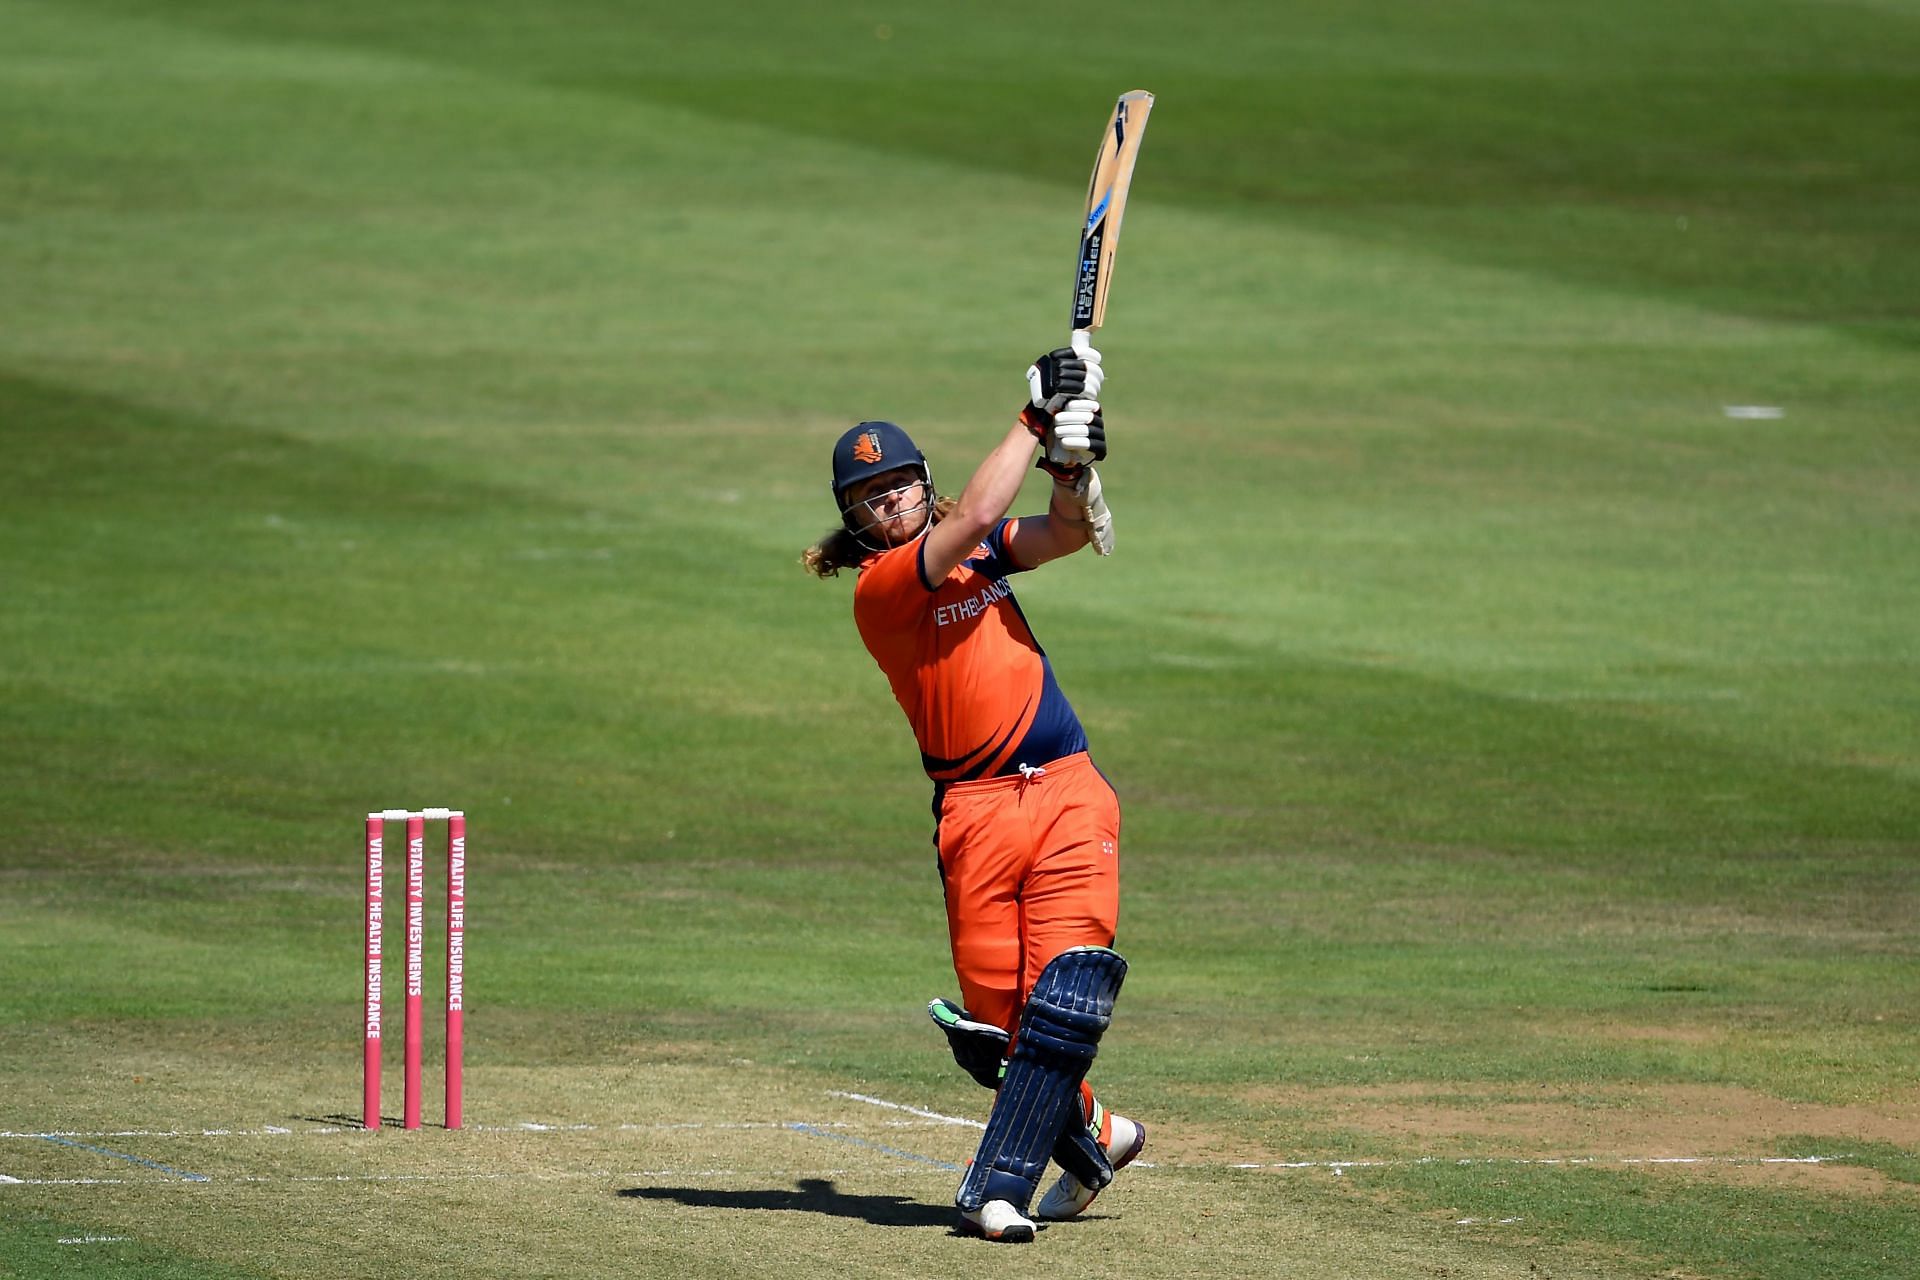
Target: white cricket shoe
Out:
[1069,1197]
[997,1220]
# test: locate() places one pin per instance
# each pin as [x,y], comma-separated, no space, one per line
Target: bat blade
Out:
[1106,205]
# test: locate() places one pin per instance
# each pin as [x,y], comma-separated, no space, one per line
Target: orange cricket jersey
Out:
[975,684]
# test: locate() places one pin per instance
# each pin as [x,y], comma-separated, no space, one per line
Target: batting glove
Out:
[1079,428]
[1059,376]
[1072,444]
[979,1047]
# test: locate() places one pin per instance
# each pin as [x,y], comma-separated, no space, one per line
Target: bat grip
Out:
[1081,340]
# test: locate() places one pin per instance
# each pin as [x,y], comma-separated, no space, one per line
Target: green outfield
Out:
[1508,664]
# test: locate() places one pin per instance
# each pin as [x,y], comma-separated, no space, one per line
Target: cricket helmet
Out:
[867,450]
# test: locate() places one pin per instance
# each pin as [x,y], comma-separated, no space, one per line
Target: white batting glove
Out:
[1093,509]
[1061,375]
[1076,426]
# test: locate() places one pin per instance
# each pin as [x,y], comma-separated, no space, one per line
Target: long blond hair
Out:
[839,549]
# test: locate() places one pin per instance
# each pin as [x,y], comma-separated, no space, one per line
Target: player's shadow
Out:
[810,1195]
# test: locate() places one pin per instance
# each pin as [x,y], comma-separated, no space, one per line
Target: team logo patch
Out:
[867,448]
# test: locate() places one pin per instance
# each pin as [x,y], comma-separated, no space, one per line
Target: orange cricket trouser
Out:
[1031,867]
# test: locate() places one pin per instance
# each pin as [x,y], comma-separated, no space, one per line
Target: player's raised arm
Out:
[982,505]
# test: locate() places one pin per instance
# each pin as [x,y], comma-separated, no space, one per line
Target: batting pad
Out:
[1079,1152]
[1060,1029]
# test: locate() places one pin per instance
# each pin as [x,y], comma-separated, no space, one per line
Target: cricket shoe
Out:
[1069,1197]
[997,1220]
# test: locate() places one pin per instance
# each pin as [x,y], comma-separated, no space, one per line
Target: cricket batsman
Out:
[1028,829]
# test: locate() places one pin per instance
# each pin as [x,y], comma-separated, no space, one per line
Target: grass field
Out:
[426,403]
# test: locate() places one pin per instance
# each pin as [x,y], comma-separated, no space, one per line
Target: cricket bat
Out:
[1106,205]
[1093,273]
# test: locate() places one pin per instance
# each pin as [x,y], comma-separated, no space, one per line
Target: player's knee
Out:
[1071,1004]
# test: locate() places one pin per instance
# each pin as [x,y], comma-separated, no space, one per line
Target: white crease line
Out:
[936,1120]
[574,1175]
[1337,1166]
[268,1131]
[92,1239]
[901,1106]
[529,1126]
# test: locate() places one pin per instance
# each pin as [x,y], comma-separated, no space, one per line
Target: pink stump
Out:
[456,962]
[376,898]
[416,941]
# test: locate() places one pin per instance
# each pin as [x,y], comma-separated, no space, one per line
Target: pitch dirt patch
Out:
[1718,1131]
[1819,1179]
[1655,1121]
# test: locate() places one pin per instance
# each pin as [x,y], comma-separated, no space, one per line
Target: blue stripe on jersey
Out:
[1056,730]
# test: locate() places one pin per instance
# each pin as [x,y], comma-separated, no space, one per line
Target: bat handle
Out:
[1081,340]
[1087,490]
